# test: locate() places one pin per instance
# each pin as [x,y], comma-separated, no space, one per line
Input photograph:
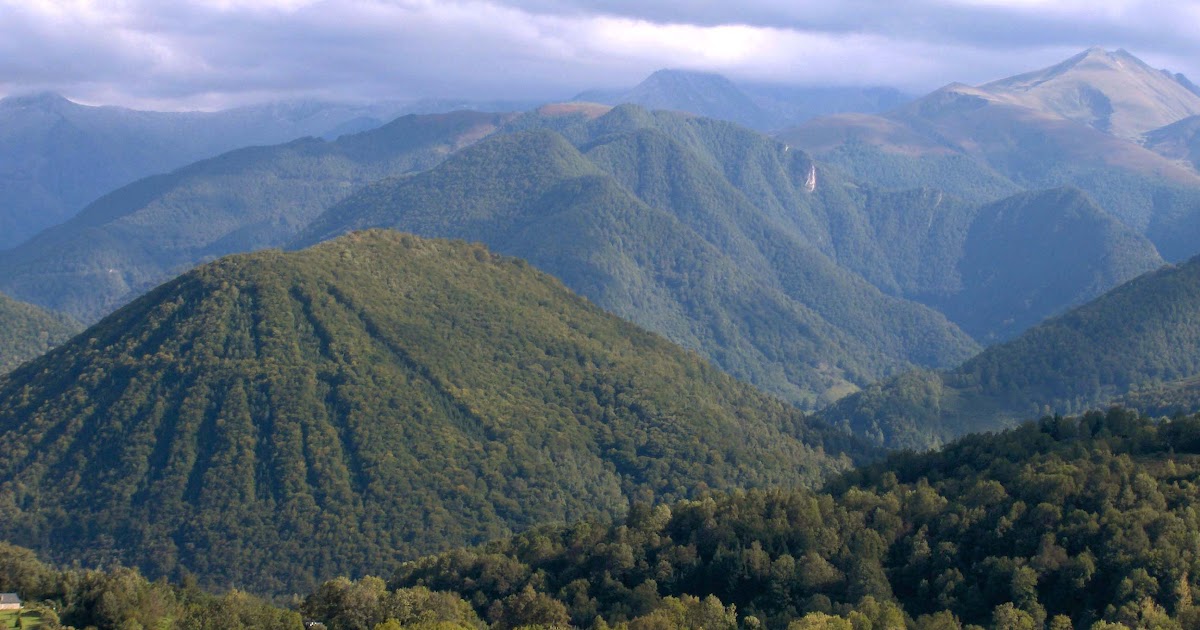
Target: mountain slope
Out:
[272,419]
[1113,92]
[27,331]
[56,156]
[1178,141]
[661,234]
[971,139]
[1144,331]
[1034,255]
[144,233]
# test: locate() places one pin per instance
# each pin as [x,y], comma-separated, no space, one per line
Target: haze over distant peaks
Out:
[758,106]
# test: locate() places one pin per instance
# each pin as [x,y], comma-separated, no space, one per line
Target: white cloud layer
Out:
[212,53]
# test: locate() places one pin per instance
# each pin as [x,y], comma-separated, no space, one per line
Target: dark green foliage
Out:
[1090,518]
[1139,334]
[27,331]
[273,419]
[120,598]
[697,229]
[142,234]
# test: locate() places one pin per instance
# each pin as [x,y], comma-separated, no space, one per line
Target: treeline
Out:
[122,598]
[1068,522]
[1087,522]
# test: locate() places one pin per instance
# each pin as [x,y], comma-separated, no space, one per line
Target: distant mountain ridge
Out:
[1132,339]
[276,419]
[56,156]
[1076,124]
[758,106]
[142,234]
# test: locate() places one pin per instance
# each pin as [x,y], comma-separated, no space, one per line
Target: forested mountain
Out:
[697,229]
[142,234]
[1144,332]
[1036,254]
[1062,523]
[27,331]
[759,106]
[270,419]
[56,156]
[1014,130]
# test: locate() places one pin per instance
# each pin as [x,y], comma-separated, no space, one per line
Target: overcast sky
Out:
[206,54]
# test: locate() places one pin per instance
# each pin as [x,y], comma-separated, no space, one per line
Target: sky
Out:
[211,54]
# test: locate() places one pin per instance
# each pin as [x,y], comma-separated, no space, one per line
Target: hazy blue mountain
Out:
[276,419]
[757,105]
[1036,254]
[56,156]
[1138,335]
[1177,141]
[144,233]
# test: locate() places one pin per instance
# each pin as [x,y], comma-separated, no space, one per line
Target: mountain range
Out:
[759,106]
[271,418]
[1070,124]
[1136,338]
[56,156]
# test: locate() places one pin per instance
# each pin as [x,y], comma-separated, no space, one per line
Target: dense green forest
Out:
[698,230]
[1085,522]
[27,331]
[1136,337]
[1082,522]
[271,419]
[120,598]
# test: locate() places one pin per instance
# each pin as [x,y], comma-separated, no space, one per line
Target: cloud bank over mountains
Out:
[206,54]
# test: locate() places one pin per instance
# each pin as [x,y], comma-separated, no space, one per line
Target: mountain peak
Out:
[1112,91]
[37,100]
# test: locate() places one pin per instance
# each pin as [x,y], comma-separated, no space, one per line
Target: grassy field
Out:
[28,620]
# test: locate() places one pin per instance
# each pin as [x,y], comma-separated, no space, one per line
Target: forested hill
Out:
[1144,332]
[1062,523]
[271,419]
[27,331]
[696,229]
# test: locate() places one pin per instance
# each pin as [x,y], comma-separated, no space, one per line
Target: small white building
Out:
[10,601]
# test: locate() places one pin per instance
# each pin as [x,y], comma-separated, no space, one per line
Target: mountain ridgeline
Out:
[701,230]
[272,419]
[1080,123]
[141,235]
[1142,337]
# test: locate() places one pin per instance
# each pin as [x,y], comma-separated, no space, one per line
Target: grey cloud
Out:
[187,52]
